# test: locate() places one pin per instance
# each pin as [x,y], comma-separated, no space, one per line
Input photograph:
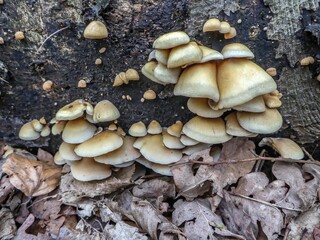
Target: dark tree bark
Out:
[280,33]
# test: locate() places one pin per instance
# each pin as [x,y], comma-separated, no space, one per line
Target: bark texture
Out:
[280,33]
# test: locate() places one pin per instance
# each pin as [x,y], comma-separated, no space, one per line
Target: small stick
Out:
[3,80]
[51,35]
[265,203]
[307,153]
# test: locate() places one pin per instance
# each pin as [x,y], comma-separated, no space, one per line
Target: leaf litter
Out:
[214,193]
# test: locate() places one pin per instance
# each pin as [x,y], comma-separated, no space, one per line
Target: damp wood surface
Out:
[280,33]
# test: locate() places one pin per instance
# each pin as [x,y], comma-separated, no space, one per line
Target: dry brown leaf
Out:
[217,176]
[123,231]
[154,188]
[46,208]
[6,188]
[303,226]
[52,226]
[33,178]
[72,191]
[45,157]
[199,222]
[7,225]
[243,216]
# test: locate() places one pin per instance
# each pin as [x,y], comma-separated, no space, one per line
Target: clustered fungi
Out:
[215,83]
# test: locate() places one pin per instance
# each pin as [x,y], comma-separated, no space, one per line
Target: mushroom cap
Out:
[170,141]
[184,55]
[254,105]
[154,127]
[206,130]
[150,94]
[95,30]
[195,148]
[58,159]
[211,25]
[158,168]
[45,132]
[66,151]
[138,129]
[27,132]
[124,165]
[72,110]
[233,127]
[170,40]
[87,169]
[209,54]
[241,80]
[102,143]
[37,126]
[126,153]
[236,50]
[58,127]
[231,34]
[167,75]
[284,146]
[175,129]
[266,122]
[187,141]
[152,55]
[224,27]
[105,111]
[201,107]
[148,71]
[152,148]
[78,131]
[162,55]
[272,101]
[198,81]
[132,75]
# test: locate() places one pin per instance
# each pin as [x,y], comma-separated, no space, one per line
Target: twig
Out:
[307,153]
[3,80]
[44,198]
[260,163]
[280,159]
[265,203]
[51,35]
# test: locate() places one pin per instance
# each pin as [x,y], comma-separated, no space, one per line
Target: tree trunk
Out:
[280,33]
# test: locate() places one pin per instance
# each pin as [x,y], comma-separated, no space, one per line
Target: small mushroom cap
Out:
[233,127]
[284,146]
[209,54]
[123,77]
[148,71]
[105,111]
[112,127]
[187,141]
[138,129]
[254,105]
[272,101]
[132,75]
[58,159]
[171,40]
[152,55]
[236,50]
[158,168]
[154,127]
[211,25]
[149,95]
[175,129]
[195,148]
[77,131]
[162,55]
[126,153]
[124,165]
[102,143]
[117,81]
[37,126]
[201,107]
[206,130]
[87,169]
[231,34]
[27,132]
[58,127]
[171,142]
[152,148]
[167,75]
[224,27]
[72,110]
[241,80]
[266,122]
[184,54]
[45,132]
[198,81]
[66,151]
[95,30]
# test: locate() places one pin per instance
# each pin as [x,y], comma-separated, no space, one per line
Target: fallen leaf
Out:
[7,225]
[215,177]
[45,157]
[154,188]
[22,231]
[199,222]
[52,226]
[33,178]
[243,216]
[46,208]
[6,188]
[123,231]
[302,227]
[72,191]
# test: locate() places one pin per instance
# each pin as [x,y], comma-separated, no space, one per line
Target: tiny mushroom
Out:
[66,151]
[233,127]
[78,131]
[105,111]
[185,54]
[162,55]
[132,75]
[95,30]
[224,27]
[209,54]
[175,129]
[138,129]
[187,141]
[231,34]
[19,35]
[148,71]
[171,40]
[37,125]
[58,159]
[167,75]
[27,132]
[236,50]
[45,132]
[72,110]
[170,141]
[154,127]
[284,146]
[201,107]
[211,25]
[149,95]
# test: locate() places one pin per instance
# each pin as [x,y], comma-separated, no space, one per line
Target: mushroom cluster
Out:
[218,84]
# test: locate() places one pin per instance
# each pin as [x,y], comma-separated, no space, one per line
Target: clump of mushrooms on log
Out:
[229,93]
